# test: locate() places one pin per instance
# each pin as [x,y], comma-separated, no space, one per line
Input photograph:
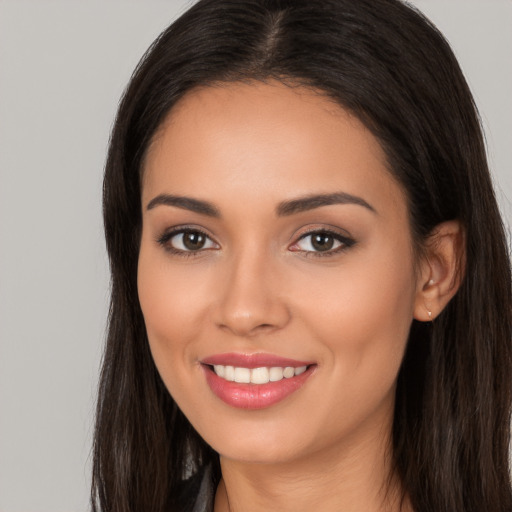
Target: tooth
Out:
[229,373]
[219,369]
[288,372]
[242,375]
[300,369]
[275,374]
[259,375]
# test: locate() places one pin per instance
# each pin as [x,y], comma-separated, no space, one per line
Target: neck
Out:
[350,478]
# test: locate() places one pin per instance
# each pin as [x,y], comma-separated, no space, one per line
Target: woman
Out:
[301,224]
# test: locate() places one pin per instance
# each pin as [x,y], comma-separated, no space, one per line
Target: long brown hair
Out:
[389,66]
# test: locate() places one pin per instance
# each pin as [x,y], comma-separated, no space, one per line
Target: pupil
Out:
[322,242]
[193,241]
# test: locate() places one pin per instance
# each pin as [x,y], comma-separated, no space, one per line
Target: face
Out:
[276,271]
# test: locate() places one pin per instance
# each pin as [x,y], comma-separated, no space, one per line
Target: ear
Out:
[441,270]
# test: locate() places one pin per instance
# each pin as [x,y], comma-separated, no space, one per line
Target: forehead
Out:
[265,139]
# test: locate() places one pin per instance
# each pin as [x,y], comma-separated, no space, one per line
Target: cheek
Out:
[171,293]
[364,310]
[172,303]
[361,315]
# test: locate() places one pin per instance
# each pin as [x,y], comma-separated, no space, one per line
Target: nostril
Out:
[246,327]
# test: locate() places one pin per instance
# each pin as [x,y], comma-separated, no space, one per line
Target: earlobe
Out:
[442,270]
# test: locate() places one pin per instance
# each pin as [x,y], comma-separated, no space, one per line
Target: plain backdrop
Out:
[63,67]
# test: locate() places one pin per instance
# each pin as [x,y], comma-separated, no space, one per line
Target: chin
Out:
[258,443]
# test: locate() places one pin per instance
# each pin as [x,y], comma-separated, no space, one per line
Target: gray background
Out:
[63,66]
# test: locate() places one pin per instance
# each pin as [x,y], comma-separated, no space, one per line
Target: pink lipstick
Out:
[254,381]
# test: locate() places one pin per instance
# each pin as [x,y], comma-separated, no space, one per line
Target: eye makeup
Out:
[320,242]
[190,241]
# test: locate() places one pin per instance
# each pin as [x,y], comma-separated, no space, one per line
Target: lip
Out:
[257,360]
[254,396]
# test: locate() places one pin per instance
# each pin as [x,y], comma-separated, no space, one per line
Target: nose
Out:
[250,301]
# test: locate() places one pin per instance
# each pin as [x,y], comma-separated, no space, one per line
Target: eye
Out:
[187,240]
[326,242]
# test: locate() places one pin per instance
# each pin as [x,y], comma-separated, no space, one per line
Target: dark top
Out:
[197,493]
[205,494]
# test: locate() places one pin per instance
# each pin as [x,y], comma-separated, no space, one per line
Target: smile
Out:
[254,381]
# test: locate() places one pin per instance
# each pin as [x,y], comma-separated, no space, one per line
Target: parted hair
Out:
[388,65]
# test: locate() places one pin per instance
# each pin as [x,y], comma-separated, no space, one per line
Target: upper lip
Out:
[257,360]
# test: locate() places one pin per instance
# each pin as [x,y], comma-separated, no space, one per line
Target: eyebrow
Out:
[186,203]
[311,202]
[284,208]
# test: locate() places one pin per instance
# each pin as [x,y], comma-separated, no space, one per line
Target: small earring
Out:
[431,282]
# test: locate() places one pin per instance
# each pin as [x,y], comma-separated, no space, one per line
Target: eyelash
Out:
[345,242]
[165,239]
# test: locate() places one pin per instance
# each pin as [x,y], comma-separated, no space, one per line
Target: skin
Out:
[259,287]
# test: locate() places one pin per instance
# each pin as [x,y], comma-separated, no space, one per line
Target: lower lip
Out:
[254,396]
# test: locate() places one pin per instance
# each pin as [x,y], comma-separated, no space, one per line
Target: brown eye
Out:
[187,241]
[193,240]
[325,242]
[322,241]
